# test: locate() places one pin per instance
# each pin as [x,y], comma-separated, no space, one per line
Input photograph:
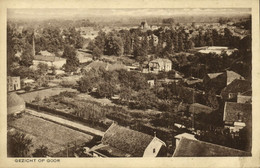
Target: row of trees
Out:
[163,42]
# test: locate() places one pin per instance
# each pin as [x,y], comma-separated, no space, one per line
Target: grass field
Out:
[29,97]
[47,133]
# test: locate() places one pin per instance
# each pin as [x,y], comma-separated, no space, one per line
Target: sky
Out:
[70,13]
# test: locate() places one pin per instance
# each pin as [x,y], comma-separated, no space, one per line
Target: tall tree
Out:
[72,62]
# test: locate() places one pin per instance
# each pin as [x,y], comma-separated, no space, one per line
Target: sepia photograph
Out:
[128,83]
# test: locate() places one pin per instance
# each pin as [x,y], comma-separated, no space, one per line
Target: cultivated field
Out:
[47,133]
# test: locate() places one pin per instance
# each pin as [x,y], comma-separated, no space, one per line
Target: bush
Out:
[27,88]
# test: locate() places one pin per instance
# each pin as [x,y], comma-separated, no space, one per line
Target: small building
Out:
[245,97]
[220,80]
[15,104]
[197,108]
[151,83]
[49,60]
[132,143]
[160,64]
[13,83]
[195,148]
[235,88]
[239,113]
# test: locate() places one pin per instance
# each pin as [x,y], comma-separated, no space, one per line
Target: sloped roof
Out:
[14,103]
[199,108]
[195,148]
[48,58]
[231,76]
[214,75]
[233,111]
[161,61]
[130,141]
[14,100]
[238,85]
[96,65]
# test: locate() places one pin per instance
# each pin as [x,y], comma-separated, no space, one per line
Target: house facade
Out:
[159,64]
[13,83]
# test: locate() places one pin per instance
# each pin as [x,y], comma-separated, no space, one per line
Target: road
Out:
[65,122]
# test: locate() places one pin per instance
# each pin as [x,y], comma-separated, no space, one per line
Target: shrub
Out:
[27,88]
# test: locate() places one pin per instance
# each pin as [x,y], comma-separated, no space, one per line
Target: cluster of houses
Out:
[120,141]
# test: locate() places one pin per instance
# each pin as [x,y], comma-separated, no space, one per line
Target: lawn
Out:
[43,132]
[29,97]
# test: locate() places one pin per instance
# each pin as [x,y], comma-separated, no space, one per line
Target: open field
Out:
[29,97]
[47,133]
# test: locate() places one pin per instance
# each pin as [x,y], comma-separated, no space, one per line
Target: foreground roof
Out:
[127,140]
[195,148]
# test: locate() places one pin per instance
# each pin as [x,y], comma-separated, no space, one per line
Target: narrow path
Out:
[65,122]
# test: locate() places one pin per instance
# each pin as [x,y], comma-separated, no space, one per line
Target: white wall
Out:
[153,148]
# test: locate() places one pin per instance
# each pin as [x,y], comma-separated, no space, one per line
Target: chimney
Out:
[154,133]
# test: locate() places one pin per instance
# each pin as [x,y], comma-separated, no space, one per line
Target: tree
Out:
[18,145]
[42,68]
[96,53]
[72,61]
[42,151]
[27,56]
[113,45]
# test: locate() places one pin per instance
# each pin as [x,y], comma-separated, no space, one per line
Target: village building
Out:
[237,116]
[183,135]
[144,26]
[13,83]
[15,104]
[160,64]
[119,141]
[194,148]
[235,88]
[245,97]
[217,50]
[218,81]
[57,62]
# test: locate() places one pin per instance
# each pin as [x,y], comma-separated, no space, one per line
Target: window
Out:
[153,150]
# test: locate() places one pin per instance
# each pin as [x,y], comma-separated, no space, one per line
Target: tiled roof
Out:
[14,100]
[233,111]
[199,108]
[47,58]
[236,86]
[214,75]
[195,148]
[231,76]
[127,140]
